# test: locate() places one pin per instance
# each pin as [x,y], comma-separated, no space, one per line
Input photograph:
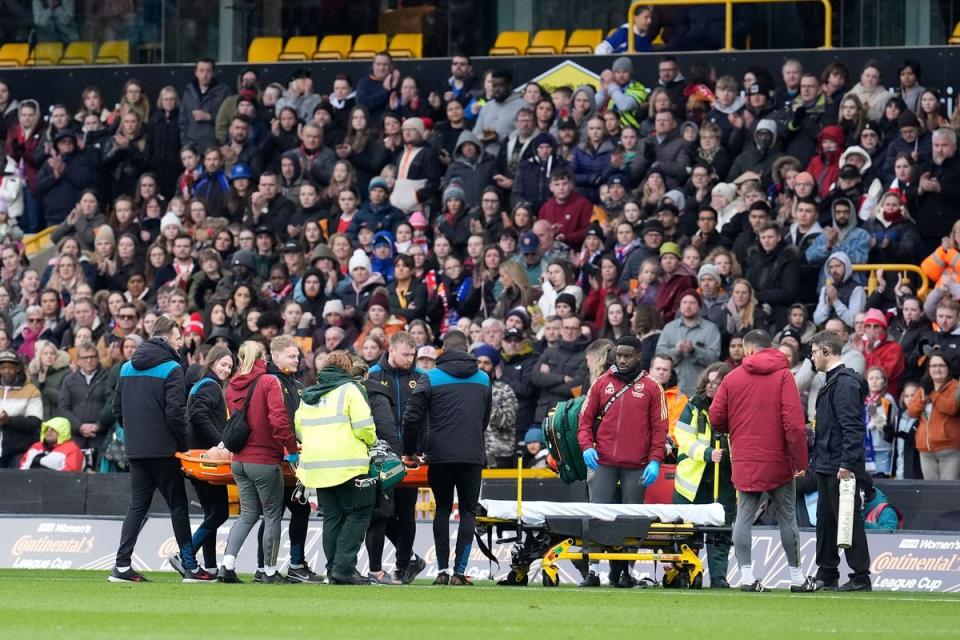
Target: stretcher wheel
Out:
[697,582]
[516,578]
[549,581]
[676,579]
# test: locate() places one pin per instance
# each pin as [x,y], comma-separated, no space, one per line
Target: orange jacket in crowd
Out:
[942,429]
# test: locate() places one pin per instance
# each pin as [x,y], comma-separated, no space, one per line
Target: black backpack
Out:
[237,431]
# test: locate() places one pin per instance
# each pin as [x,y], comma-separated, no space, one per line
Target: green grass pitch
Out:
[82,604]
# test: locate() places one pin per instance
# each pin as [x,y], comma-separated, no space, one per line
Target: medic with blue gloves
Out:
[622,434]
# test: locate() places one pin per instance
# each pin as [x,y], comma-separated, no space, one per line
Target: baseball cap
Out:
[427,351]
[616,178]
[529,242]
[513,334]
[9,356]
[291,246]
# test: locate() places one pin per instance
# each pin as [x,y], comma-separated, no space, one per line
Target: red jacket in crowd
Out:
[634,430]
[888,355]
[270,428]
[573,218]
[759,406]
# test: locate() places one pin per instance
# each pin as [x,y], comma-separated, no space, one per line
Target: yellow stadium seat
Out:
[407,45]
[583,41]
[299,48]
[511,43]
[79,52]
[548,42]
[113,52]
[265,49]
[955,37]
[46,54]
[14,54]
[368,45]
[334,48]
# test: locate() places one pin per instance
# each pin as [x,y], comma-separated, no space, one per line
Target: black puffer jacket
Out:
[516,371]
[382,411]
[206,412]
[455,401]
[565,359]
[840,427]
[399,385]
[82,403]
[150,402]
[775,277]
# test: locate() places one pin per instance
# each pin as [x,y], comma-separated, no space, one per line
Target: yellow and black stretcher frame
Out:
[582,540]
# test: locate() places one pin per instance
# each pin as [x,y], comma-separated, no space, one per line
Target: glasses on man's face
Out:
[127,316]
[34,320]
[90,357]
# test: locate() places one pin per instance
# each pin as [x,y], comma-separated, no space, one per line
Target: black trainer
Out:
[756,587]
[590,580]
[415,568]
[460,580]
[719,583]
[126,576]
[199,575]
[443,579]
[354,579]
[275,578]
[856,585]
[626,581]
[826,585]
[258,576]
[809,586]
[303,575]
[177,563]
[228,576]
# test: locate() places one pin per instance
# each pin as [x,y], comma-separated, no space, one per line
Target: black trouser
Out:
[828,556]
[400,529]
[146,476]
[216,510]
[718,544]
[346,515]
[296,530]
[443,479]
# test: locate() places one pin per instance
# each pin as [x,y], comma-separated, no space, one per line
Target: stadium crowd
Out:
[686,210]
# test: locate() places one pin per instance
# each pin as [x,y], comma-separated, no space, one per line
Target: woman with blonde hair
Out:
[517,291]
[257,465]
[47,370]
[744,311]
[67,276]
[727,265]
[598,357]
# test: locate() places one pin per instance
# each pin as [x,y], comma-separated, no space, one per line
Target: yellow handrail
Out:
[728,21]
[873,268]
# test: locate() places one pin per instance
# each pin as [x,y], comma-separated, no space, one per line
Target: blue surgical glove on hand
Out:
[294,458]
[651,473]
[591,459]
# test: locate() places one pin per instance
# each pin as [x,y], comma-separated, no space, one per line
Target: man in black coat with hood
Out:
[838,454]
[454,399]
[150,403]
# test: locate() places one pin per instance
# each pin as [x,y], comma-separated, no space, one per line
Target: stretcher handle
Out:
[716,474]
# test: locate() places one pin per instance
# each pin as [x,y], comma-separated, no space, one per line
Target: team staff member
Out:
[337,430]
[622,431]
[758,404]
[838,454]
[207,416]
[397,374]
[256,467]
[454,400]
[284,359]
[697,460]
[149,403]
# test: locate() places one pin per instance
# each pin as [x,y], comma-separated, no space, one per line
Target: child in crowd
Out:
[881,416]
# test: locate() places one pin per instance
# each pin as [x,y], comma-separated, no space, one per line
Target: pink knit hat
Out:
[418,220]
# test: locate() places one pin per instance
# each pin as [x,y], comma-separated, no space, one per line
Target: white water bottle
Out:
[848,490]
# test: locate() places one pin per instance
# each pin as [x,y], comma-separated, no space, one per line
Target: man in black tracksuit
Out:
[838,453]
[150,404]
[398,375]
[455,401]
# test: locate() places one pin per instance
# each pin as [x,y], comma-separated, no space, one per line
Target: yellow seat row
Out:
[366,46]
[549,42]
[18,54]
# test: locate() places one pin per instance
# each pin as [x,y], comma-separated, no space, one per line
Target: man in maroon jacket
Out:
[622,434]
[758,404]
[568,211]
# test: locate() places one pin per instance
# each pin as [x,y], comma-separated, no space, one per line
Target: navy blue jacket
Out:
[150,402]
[398,384]
[454,401]
[206,412]
[840,426]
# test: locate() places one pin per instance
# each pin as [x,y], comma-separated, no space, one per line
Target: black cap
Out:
[617,178]
[513,333]
[567,123]
[291,246]
[653,226]
[790,332]
[760,86]
[870,125]
[263,230]
[595,230]
[63,134]
[849,172]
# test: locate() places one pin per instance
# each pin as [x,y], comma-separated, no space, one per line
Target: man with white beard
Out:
[939,188]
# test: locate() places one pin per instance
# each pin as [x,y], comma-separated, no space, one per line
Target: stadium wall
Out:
[52,85]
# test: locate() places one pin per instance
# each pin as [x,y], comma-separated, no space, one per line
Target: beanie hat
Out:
[454,191]
[875,316]
[244,258]
[332,306]
[418,220]
[670,247]
[194,326]
[323,251]
[567,299]
[359,259]
[486,351]
[521,313]
[709,271]
[622,64]
[415,123]
[379,299]
[378,183]
[805,176]
[170,218]
[533,434]
[907,119]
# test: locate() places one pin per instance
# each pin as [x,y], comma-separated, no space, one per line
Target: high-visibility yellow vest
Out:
[336,434]
[694,444]
[633,117]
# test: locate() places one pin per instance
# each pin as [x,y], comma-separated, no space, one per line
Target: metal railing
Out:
[872,280]
[728,21]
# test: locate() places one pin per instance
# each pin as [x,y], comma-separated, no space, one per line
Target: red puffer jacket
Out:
[759,406]
[270,428]
[634,430]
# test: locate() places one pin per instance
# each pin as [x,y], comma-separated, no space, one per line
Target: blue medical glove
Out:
[591,459]
[651,473]
[294,458]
